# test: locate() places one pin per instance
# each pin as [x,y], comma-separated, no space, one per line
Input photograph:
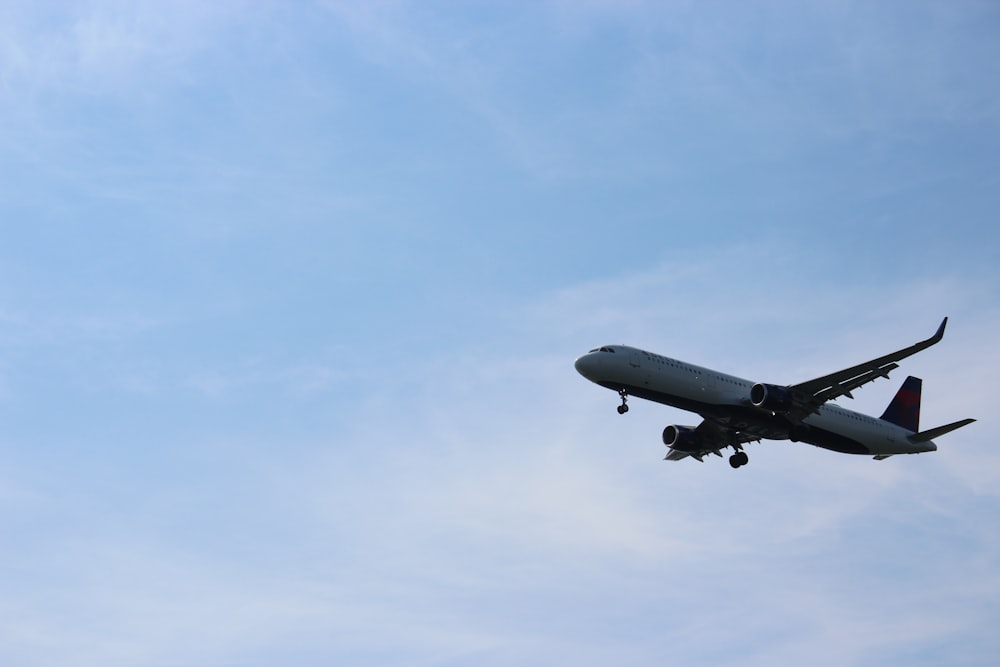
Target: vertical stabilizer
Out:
[905,407]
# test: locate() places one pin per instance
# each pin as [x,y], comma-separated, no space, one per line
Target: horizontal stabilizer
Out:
[930,434]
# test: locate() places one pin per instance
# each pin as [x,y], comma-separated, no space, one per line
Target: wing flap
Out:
[845,387]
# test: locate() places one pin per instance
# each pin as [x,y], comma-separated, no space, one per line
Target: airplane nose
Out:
[586,365]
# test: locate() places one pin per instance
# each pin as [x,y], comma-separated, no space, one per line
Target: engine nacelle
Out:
[682,438]
[771,397]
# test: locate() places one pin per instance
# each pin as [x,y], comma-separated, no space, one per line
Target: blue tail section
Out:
[905,407]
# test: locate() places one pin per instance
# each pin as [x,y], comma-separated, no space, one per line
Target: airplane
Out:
[736,411]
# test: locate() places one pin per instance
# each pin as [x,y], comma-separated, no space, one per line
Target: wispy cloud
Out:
[103,48]
[291,297]
[494,507]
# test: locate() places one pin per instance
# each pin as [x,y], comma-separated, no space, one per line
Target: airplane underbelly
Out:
[836,442]
[827,433]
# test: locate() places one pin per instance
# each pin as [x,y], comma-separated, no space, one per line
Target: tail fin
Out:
[905,407]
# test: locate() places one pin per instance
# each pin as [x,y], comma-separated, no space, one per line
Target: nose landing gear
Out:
[623,408]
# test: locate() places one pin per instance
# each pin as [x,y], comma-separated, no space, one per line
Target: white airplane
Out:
[735,411]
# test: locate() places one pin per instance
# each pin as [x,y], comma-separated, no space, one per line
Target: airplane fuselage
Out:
[725,401]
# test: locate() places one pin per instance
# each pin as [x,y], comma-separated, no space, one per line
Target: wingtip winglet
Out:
[939,334]
[940,331]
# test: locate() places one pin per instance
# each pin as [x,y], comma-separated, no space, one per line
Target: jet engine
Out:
[682,438]
[771,397]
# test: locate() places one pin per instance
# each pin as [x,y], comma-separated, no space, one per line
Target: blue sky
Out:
[290,295]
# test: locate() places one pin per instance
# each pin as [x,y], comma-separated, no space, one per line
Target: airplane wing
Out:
[812,394]
[712,439]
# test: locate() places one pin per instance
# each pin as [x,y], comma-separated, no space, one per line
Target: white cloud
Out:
[508,473]
[475,500]
[489,505]
[102,48]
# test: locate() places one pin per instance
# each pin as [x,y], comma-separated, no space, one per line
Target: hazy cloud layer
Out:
[290,298]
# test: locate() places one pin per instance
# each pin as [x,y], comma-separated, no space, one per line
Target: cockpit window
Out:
[604,348]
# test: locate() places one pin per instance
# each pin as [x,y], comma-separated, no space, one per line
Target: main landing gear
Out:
[739,459]
[623,408]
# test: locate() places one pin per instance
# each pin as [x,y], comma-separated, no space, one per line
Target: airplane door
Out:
[633,359]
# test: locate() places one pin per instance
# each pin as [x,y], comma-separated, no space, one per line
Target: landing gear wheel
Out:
[739,459]
[623,408]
